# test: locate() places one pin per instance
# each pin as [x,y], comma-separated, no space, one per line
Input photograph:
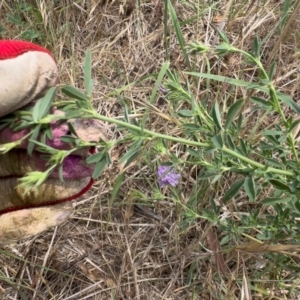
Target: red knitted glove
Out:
[27,71]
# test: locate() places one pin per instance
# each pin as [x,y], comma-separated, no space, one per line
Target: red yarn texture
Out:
[11,49]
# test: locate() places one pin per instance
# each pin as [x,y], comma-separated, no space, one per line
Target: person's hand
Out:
[27,71]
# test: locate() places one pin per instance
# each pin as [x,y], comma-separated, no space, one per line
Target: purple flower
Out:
[162,89]
[167,176]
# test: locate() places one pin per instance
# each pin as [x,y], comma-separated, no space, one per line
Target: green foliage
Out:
[26,20]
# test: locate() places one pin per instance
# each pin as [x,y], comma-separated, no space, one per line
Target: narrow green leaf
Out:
[87,71]
[220,78]
[234,189]
[273,200]
[256,46]
[217,141]
[230,143]
[243,148]
[161,75]
[60,173]
[289,101]
[294,124]
[261,102]
[279,185]
[185,113]
[46,102]
[272,132]
[117,184]
[232,112]
[72,129]
[133,150]
[223,36]
[99,168]
[283,97]
[95,157]
[297,205]
[272,70]
[193,152]
[74,93]
[68,139]
[249,186]
[33,137]
[36,111]
[132,158]
[216,178]
[273,162]
[43,105]
[216,115]
[240,122]
[178,32]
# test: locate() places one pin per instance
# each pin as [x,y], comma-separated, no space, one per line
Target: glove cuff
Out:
[11,49]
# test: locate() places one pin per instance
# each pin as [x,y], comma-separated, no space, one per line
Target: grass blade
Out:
[178,33]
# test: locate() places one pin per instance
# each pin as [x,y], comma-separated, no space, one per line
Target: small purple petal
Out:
[162,89]
[166,176]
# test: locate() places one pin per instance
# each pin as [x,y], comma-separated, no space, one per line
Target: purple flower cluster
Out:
[166,176]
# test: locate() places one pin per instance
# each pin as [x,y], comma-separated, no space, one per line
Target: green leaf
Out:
[117,184]
[95,157]
[178,32]
[256,46]
[217,141]
[68,139]
[43,105]
[230,143]
[265,104]
[273,200]
[33,137]
[289,101]
[294,125]
[46,102]
[135,148]
[223,36]
[283,97]
[240,122]
[249,186]
[297,205]
[158,81]
[222,49]
[272,133]
[273,162]
[242,148]
[232,112]
[220,78]
[60,173]
[99,168]
[74,93]
[185,113]
[216,178]
[87,71]
[132,158]
[193,152]
[216,115]
[36,111]
[272,70]
[234,189]
[279,185]
[72,129]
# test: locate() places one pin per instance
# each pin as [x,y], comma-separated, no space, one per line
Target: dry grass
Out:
[134,247]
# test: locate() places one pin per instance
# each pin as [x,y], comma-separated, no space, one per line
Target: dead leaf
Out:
[214,246]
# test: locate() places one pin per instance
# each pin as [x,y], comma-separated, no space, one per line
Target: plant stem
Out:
[186,142]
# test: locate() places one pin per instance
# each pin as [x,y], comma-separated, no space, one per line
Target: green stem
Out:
[273,96]
[185,141]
